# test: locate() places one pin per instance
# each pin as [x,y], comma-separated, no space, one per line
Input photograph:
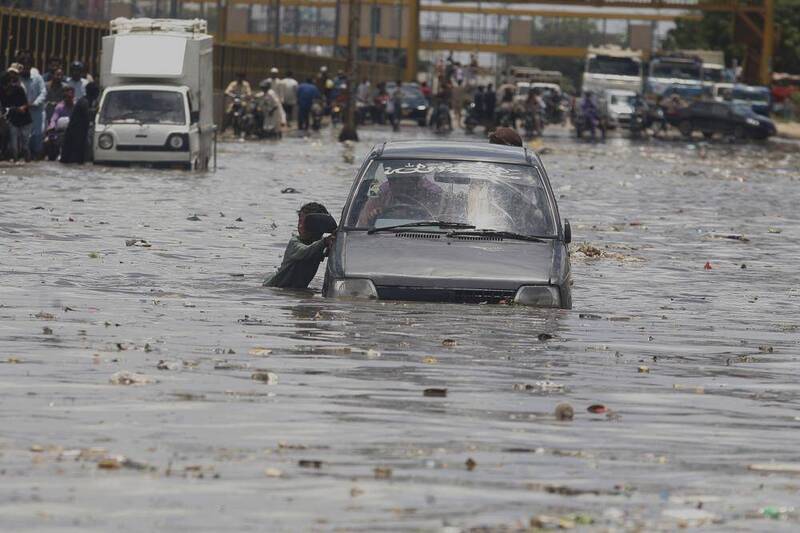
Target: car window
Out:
[487,195]
[720,110]
[702,108]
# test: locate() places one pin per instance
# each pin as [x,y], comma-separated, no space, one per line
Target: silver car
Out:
[451,222]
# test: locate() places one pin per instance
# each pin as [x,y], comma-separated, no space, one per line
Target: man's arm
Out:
[39,100]
[298,251]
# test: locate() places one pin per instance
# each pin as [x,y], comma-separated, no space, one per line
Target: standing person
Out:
[458,100]
[307,92]
[76,138]
[63,108]
[274,116]
[19,117]
[288,95]
[37,97]
[53,64]
[303,254]
[76,79]
[273,78]
[480,101]
[397,105]
[489,103]
[55,92]
[53,137]
[426,91]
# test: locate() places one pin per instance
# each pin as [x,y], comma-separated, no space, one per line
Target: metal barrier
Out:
[78,40]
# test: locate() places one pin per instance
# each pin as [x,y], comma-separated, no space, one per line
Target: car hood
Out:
[416,259]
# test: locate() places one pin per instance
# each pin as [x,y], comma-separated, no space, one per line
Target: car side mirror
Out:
[567,232]
[194,116]
[319,223]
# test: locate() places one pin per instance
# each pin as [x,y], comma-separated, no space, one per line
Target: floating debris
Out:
[309,463]
[382,472]
[259,351]
[273,472]
[470,463]
[124,377]
[564,411]
[598,409]
[269,378]
[449,343]
[137,242]
[435,393]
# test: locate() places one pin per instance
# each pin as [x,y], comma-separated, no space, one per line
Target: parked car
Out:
[758,98]
[727,118]
[451,222]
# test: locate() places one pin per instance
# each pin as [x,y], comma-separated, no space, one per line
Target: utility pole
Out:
[413,40]
[349,132]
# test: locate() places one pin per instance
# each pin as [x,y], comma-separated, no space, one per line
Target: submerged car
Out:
[710,117]
[451,222]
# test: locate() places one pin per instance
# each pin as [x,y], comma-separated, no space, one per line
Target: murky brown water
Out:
[214,450]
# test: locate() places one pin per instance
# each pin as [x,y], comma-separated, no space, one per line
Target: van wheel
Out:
[685,128]
[739,133]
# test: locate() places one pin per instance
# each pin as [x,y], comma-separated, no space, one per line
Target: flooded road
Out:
[113,275]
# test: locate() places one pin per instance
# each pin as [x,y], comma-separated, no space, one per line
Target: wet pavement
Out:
[269,410]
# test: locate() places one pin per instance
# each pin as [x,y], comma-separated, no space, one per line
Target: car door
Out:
[722,118]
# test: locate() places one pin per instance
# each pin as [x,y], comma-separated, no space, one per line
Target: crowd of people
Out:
[45,113]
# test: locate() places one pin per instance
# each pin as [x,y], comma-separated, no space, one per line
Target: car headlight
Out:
[539,296]
[354,288]
[176,142]
[752,121]
[421,108]
[105,141]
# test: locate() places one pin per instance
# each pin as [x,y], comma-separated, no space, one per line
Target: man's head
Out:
[76,70]
[505,136]
[69,95]
[58,76]
[54,64]
[265,85]
[25,61]
[273,71]
[308,209]
[13,73]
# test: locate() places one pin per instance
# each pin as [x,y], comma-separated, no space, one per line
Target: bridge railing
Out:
[71,40]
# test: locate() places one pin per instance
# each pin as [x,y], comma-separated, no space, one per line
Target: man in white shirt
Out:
[287,92]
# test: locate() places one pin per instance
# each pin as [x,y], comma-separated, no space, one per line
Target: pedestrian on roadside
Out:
[396,113]
[490,103]
[76,138]
[303,254]
[36,91]
[53,64]
[274,115]
[307,92]
[458,100]
[19,117]
[287,91]
[76,79]
[480,104]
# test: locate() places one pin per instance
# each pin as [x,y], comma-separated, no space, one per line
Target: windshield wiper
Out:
[502,234]
[438,223]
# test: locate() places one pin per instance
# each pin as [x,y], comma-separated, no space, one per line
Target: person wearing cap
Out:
[19,116]
[76,79]
[273,79]
[36,90]
[274,116]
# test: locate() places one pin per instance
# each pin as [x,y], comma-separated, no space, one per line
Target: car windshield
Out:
[713,74]
[143,107]
[618,66]
[682,71]
[495,196]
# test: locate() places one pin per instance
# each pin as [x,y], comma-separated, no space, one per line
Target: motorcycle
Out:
[441,121]
[54,138]
[235,116]
[317,111]
[471,120]
[590,121]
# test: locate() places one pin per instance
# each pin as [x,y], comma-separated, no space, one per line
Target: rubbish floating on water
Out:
[774,230]
[539,386]
[597,409]
[644,370]
[239,219]
[124,377]
[45,316]
[372,354]
[470,463]
[273,472]
[309,463]
[430,360]
[382,472]
[259,351]
[564,411]
[167,365]
[775,513]
[115,462]
[766,348]
[588,316]
[544,337]
[435,393]
[782,468]
[137,242]
[194,218]
[13,360]
[449,343]
[289,190]
[269,378]
[707,266]
[47,331]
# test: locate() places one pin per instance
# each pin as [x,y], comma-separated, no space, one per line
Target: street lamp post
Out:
[349,132]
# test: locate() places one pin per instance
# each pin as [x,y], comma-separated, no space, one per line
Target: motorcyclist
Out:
[57,125]
[589,112]
[533,114]
[238,89]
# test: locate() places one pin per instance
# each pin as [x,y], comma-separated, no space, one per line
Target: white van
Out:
[157,107]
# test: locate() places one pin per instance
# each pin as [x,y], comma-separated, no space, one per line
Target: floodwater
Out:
[697,367]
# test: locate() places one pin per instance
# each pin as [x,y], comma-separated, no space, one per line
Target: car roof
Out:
[458,150]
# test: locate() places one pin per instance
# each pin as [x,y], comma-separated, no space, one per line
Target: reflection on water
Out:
[695,366]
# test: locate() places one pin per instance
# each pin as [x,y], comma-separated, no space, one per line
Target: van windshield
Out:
[496,196]
[679,70]
[619,66]
[143,107]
